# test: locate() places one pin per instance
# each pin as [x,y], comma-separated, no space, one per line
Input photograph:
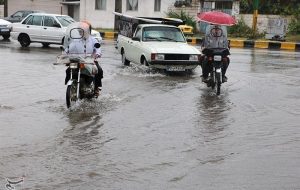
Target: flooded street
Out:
[150,130]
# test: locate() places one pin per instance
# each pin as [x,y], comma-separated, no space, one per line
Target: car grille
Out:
[177,56]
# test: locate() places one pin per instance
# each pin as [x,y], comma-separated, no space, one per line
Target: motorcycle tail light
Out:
[81,65]
[224,60]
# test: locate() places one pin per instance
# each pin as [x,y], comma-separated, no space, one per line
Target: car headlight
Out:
[159,57]
[193,58]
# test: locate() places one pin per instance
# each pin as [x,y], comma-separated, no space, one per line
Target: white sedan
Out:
[5,29]
[43,28]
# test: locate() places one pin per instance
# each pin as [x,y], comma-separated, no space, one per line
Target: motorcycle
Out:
[217,61]
[82,66]
[81,83]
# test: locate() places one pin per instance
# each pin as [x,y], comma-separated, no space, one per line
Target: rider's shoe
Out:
[97,91]
[224,78]
[205,80]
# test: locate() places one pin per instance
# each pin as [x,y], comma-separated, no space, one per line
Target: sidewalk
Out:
[261,44]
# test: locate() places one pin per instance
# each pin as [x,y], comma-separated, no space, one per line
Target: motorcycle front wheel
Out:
[218,81]
[71,97]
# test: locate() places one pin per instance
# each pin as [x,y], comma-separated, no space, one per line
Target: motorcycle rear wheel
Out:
[218,81]
[71,95]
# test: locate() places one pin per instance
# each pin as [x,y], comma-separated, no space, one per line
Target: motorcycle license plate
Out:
[217,57]
[175,68]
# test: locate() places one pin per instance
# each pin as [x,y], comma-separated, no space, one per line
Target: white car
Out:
[159,46]
[43,28]
[5,29]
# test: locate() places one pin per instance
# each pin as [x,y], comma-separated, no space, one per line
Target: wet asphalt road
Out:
[149,130]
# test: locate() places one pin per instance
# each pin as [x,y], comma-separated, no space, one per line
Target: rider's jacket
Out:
[83,46]
[215,37]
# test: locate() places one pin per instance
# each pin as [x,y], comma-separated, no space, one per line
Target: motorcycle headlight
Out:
[194,57]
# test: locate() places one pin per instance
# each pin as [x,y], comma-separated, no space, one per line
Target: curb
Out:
[109,35]
[274,45]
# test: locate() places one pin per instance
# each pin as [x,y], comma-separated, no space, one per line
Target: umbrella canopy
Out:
[216,17]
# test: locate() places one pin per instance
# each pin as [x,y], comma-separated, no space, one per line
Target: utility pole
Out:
[5,8]
[255,14]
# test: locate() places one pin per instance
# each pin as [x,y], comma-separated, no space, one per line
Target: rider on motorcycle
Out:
[85,45]
[215,38]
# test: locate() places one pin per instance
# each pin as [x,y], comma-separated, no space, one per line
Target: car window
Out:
[49,21]
[28,20]
[17,14]
[159,33]
[26,13]
[65,20]
[138,33]
[33,20]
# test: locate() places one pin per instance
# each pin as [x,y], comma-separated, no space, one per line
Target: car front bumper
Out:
[174,65]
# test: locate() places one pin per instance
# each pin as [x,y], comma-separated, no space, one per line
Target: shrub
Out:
[241,29]
[189,20]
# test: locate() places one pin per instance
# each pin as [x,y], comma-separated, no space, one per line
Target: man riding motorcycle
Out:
[86,45]
[215,38]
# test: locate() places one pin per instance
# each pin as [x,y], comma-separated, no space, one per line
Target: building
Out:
[97,12]
[231,7]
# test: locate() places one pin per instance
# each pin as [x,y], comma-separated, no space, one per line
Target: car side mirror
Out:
[136,38]
[97,45]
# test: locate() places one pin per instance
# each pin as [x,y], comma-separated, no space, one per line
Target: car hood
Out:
[4,22]
[171,47]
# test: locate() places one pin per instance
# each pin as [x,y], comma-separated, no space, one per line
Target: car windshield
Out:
[65,20]
[159,33]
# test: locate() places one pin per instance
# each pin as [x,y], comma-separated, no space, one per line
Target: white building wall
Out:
[48,6]
[1,11]
[106,18]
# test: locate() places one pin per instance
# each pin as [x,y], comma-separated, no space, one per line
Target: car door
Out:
[32,26]
[52,31]
[134,46]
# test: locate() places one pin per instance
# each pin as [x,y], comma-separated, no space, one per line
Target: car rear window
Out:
[65,20]
[33,20]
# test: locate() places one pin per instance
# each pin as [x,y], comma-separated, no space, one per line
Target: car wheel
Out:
[6,36]
[45,44]
[24,40]
[124,60]
[145,62]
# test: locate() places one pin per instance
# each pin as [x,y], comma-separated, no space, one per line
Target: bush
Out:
[189,20]
[241,29]
[294,26]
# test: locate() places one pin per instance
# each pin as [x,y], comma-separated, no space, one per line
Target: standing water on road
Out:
[150,130]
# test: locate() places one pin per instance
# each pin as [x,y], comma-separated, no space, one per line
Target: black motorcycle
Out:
[216,61]
[81,82]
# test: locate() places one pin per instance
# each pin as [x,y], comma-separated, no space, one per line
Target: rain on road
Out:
[149,130]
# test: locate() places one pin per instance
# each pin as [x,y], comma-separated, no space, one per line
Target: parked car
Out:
[19,15]
[43,28]
[5,29]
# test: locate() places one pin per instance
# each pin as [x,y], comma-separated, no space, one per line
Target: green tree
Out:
[1,2]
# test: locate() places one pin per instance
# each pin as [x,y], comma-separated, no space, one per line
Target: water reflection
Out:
[214,109]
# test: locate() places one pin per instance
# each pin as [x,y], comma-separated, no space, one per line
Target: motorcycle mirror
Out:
[97,45]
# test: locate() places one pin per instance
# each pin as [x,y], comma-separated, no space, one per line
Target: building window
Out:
[132,5]
[100,4]
[157,4]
